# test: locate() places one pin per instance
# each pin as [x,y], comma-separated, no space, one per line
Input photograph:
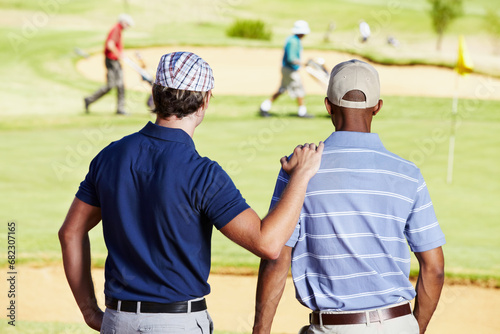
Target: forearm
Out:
[75,246]
[270,287]
[266,238]
[278,225]
[428,293]
[77,263]
[112,47]
[429,285]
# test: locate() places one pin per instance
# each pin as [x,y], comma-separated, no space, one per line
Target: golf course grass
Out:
[47,160]
[47,142]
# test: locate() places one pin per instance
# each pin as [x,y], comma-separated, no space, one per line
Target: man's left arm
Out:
[425,238]
[75,246]
[112,42]
[294,52]
[429,284]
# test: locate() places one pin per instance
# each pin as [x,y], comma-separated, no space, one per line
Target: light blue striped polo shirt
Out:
[362,210]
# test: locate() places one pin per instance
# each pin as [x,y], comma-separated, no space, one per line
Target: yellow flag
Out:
[464,62]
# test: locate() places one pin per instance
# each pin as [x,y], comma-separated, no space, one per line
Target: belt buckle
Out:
[311,318]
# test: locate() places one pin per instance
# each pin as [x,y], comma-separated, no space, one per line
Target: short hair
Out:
[354,95]
[175,102]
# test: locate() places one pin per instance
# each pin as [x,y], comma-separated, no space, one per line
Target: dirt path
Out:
[44,295]
[252,71]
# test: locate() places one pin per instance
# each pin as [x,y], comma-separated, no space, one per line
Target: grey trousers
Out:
[114,78]
[116,322]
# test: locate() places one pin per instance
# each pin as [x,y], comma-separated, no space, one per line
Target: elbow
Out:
[270,256]
[438,270]
[439,274]
[270,251]
[436,274]
[64,236]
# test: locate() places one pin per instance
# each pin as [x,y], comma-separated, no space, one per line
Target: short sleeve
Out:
[87,191]
[222,201]
[114,35]
[293,53]
[422,228]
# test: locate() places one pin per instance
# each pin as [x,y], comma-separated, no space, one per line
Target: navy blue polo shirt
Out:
[159,200]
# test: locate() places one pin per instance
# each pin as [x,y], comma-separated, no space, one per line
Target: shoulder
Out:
[118,147]
[291,40]
[404,164]
[208,168]
[115,31]
[124,141]
[294,40]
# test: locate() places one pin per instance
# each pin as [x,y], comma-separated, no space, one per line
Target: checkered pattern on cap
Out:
[184,71]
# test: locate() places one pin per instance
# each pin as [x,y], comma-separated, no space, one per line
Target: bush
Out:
[252,29]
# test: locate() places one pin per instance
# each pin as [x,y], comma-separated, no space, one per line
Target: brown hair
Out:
[175,102]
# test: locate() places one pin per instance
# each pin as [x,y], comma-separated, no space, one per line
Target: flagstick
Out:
[451,149]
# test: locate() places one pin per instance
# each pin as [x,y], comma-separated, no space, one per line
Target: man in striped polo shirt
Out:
[349,252]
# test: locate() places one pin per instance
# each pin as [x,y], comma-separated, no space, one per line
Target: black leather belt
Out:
[150,307]
[359,317]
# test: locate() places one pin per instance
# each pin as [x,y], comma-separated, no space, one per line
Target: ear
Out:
[377,107]
[328,106]
[206,101]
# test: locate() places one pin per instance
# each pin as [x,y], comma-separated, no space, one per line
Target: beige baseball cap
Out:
[354,75]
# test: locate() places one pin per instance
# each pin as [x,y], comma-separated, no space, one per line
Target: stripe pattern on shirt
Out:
[362,209]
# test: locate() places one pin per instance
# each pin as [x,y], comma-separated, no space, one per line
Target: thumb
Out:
[284,161]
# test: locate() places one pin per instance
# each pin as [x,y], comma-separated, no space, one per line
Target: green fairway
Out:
[47,142]
[47,160]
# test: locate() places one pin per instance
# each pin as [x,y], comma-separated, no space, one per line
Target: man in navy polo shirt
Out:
[158,200]
[349,253]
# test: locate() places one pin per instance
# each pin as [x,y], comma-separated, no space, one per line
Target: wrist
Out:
[302,175]
[260,329]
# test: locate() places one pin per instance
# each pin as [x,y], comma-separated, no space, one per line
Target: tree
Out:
[492,24]
[443,12]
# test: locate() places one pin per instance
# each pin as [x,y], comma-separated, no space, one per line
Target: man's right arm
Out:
[112,41]
[110,44]
[429,284]
[270,286]
[265,238]
[75,246]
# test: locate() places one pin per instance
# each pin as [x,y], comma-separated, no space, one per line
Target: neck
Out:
[353,128]
[353,120]
[187,124]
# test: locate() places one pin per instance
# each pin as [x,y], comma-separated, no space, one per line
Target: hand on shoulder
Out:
[305,160]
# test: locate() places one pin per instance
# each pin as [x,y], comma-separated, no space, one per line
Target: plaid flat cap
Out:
[184,71]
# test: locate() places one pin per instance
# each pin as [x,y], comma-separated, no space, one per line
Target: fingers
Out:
[320,147]
[305,157]
[311,146]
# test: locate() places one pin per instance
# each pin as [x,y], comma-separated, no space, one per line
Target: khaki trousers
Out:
[402,325]
[114,78]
